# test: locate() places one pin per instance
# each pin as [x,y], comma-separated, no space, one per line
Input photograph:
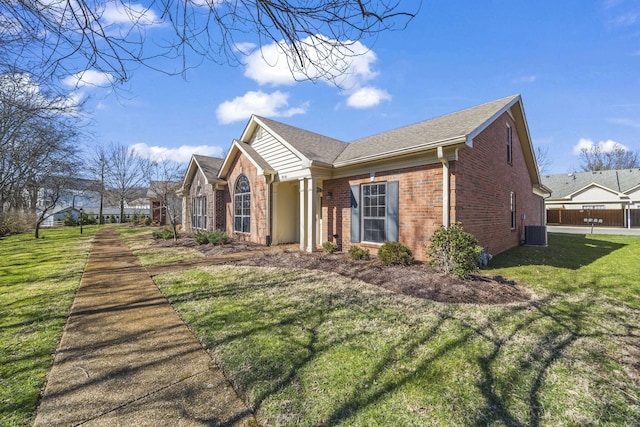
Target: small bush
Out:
[112,219]
[201,238]
[165,234]
[218,237]
[68,220]
[395,253]
[16,221]
[357,253]
[147,221]
[329,247]
[453,250]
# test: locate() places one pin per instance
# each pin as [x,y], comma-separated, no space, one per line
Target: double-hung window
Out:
[242,205]
[199,212]
[374,212]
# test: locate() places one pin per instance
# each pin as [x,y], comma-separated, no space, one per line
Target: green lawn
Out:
[310,348]
[38,280]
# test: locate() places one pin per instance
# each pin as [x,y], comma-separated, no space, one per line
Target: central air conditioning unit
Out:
[535,235]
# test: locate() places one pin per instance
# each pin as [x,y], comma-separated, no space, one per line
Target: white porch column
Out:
[302,214]
[185,211]
[311,214]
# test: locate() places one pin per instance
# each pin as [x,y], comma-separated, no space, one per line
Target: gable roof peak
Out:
[312,145]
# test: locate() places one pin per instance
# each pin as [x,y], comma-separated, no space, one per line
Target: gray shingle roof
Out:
[433,131]
[312,145]
[210,166]
[620,181]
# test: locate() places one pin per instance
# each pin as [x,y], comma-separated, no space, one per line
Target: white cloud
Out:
[274,104]
[181,154]
[348,66]
[277,64]
[625,20]
[88,78]
[605,146]
[117,13]
[367,97]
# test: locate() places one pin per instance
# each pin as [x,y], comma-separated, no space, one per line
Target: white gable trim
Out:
[237,148]
[251,128]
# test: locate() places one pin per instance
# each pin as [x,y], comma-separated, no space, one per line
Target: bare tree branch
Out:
[596,158]
[49,37]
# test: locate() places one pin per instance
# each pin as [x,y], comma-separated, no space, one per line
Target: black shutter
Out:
[355,213]
[392,211]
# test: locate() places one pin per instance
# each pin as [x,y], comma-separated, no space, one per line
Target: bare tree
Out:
[98,165]
[167,180]
[116,36]
[38,135]
[127,172]
[543,159]
[595,158]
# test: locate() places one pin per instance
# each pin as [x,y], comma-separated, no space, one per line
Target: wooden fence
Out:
[609,217]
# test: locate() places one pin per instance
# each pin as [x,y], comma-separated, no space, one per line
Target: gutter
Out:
[414,149]
[445,188]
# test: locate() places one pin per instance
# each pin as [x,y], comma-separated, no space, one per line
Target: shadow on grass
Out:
[513,354]
[569,251]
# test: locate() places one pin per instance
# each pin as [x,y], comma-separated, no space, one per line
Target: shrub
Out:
[218,237]
[112,219]
[329,247]
[395,253]
[147,221]
[68,220]
[16,221]
[358,253]
[453,250]
[201,238]
[165,234]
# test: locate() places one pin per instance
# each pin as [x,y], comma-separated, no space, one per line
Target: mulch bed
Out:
[418,280]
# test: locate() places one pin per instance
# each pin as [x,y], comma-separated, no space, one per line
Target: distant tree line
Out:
[595,158]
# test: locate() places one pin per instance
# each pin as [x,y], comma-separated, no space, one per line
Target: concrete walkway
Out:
[126,358]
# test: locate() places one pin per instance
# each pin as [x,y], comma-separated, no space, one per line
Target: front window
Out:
[242,206]
[199,212]
[374,212]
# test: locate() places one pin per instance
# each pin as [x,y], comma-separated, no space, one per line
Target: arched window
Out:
[242,205]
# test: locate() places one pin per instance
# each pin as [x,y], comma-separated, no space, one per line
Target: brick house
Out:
[609,198]
[202,195]
[281,184]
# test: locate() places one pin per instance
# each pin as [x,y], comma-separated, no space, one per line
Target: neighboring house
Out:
[76,194]
[161,195]
[202,195]
[608,198]
[281,184]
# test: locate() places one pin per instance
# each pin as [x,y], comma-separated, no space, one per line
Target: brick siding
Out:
[420,206]
[258,227]
[482,181]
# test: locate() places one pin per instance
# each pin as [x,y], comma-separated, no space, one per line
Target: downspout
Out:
[445,188]
[270,179]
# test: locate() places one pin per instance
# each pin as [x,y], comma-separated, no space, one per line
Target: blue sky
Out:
[576,64]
